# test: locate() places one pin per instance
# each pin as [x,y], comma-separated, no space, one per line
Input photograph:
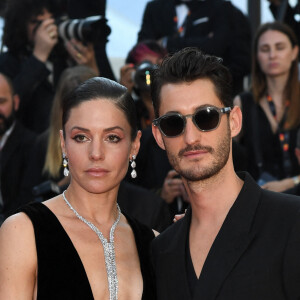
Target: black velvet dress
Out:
[61,274]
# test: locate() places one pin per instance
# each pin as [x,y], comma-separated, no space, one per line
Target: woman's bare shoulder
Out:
[16,224]
[16,231]
[18,260]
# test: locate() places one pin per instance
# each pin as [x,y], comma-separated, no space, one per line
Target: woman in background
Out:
[271,110]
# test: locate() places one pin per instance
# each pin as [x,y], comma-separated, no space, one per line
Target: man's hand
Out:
[82,54]
[45,39]
[126,76]
[172,187]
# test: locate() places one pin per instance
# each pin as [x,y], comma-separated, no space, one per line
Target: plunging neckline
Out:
[56,253]
[53,215]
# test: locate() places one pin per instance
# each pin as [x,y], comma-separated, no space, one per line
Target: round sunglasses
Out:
[205,119]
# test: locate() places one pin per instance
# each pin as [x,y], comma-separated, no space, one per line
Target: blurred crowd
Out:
[54,45]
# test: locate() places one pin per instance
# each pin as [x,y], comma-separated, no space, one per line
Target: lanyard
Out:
[283,135]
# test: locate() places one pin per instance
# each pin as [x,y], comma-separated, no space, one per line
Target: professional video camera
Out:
[89,29]
[142,75]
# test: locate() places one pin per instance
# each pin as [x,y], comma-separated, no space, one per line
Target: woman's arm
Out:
[282,185]
[18,260]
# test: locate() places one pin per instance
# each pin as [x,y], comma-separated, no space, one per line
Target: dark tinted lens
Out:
[207,119]
[172,125]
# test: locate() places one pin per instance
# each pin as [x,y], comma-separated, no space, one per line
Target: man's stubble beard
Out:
[196,172]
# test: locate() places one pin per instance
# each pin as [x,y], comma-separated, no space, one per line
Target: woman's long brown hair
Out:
[292,88]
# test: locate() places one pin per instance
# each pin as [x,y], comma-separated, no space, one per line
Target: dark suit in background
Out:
[143,205]
[216,27]
[13,162]
[30,79]
[255,255]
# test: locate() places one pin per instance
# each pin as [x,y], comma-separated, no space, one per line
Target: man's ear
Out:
[158,137]
[236,120]
[16,101]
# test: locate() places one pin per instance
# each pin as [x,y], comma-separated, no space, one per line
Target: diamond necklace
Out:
[109,250]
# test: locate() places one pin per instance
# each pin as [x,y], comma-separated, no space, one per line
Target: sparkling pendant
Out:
[133,164]
[109,250]
[65,162]
[133,174]
[66,172]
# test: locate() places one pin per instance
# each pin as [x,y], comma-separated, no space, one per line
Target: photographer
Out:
[36,57]
[142,58]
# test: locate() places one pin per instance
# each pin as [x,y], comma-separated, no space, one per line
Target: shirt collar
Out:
[6,135]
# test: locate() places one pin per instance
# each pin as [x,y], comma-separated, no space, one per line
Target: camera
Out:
[89,29]
[142,75]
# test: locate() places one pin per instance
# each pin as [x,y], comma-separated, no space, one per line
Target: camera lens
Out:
[142,75]
[85,30]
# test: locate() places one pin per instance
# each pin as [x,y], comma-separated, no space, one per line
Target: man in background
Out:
[15,144]
[216,27]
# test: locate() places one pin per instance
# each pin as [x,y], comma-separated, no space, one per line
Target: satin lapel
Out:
[231,242]
[174,260]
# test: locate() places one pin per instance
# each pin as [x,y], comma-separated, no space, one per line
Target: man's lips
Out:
[195,149]
[194,153]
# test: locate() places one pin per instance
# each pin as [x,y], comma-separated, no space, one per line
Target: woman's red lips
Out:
[97,171]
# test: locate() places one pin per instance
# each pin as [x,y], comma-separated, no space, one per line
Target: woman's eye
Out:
[264,49]
[280,47]
[80,138]
[114,138]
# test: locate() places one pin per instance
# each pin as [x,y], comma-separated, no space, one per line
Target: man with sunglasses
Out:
[236,240]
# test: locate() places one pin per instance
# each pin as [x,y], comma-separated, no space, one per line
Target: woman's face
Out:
[275,53]
[98,145]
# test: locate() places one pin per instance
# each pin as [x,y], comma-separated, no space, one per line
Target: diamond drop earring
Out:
[65,165]
[133,165]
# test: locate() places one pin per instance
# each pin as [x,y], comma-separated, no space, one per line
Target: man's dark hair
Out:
[188,65]
[17,15]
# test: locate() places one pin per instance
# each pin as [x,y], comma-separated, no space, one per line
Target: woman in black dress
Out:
[79,245]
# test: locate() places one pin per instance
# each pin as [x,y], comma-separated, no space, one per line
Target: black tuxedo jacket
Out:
[13,162]
[214,26]
[158,22]
[255,255]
